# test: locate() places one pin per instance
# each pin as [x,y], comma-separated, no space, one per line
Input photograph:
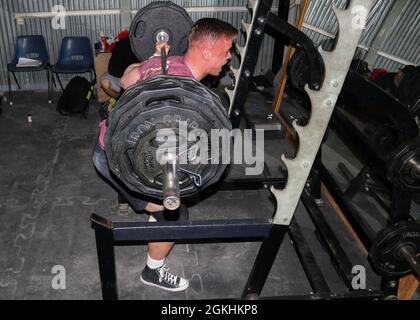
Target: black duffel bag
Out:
[76,97]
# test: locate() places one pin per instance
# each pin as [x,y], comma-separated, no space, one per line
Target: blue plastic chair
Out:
[76,56]
[32,47]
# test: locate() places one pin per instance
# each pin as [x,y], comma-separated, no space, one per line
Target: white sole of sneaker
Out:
[167,289]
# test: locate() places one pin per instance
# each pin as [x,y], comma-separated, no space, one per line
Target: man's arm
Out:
[131,75]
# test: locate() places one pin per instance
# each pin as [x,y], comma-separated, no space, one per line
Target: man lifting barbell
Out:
[210,41]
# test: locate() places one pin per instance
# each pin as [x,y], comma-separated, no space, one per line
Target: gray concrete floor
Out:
[49,189]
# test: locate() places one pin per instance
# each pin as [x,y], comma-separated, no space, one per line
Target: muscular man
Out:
[210,41]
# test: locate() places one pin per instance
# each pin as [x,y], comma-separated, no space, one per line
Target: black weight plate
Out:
[155,17]
[157,103]
[404,166]
[384,254]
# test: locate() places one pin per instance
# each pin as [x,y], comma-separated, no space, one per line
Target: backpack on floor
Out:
[76,97]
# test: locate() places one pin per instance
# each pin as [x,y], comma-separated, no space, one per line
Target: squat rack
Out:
[270,231]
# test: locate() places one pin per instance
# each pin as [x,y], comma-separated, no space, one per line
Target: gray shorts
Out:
[115,82]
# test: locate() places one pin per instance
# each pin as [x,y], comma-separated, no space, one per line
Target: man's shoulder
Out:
[153,67]
[151,62]
[158,60]
[176,59]
[177,66]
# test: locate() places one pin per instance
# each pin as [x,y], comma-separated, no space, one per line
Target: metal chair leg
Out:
[10,89]
[49,86]
[53,80]
[59,81]
[17,82]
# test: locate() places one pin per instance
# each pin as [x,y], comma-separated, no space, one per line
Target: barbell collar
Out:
[162,36]
[171,193]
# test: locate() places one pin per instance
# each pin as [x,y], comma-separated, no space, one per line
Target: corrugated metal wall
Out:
[321,16]
[375,20]
[89,26]
[403,43]
[7,36]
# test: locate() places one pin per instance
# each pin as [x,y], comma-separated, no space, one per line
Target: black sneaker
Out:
[163,279]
